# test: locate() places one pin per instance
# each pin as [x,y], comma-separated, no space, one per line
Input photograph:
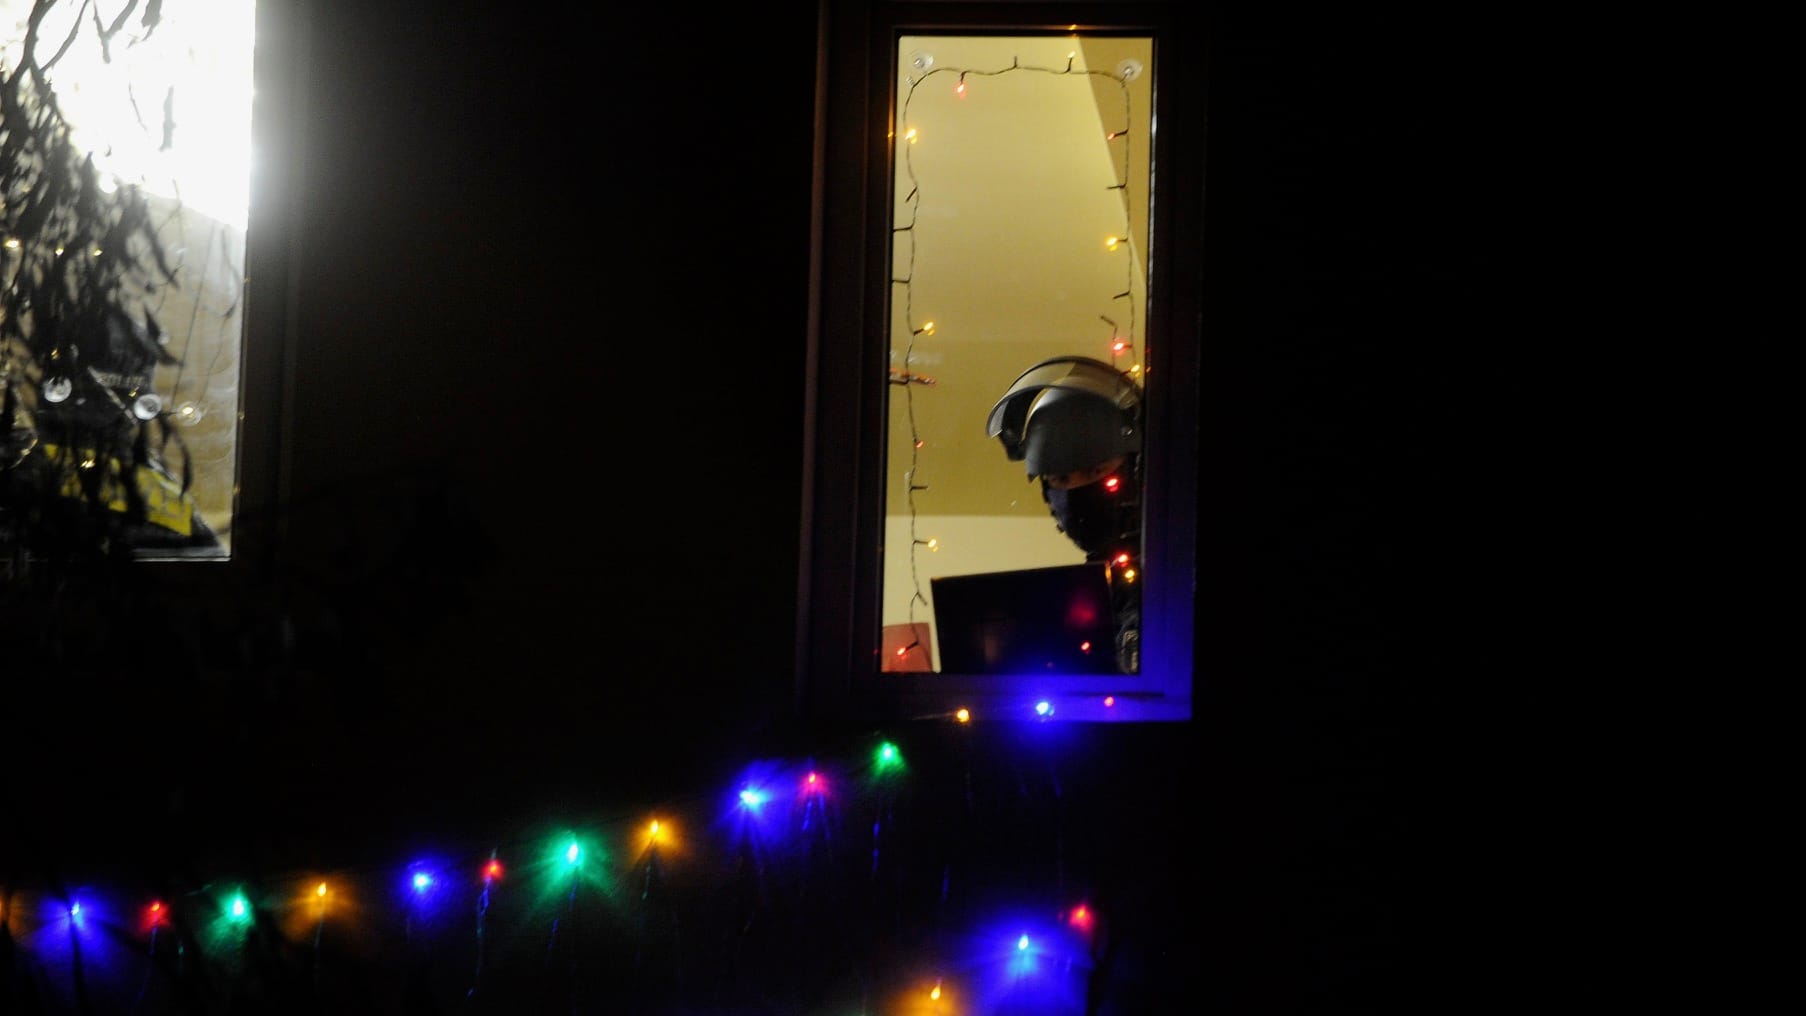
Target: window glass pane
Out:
[1020,227]
[128,359]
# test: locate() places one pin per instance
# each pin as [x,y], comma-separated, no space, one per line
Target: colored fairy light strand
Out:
[1120,343]
[791,804]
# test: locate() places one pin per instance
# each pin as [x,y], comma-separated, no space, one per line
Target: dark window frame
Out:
[839,675]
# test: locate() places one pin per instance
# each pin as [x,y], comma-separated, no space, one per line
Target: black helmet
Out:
[1068,413]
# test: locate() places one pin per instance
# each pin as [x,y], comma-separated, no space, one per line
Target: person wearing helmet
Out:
[1075,424]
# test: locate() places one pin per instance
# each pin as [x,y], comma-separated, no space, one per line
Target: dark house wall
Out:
[540,486]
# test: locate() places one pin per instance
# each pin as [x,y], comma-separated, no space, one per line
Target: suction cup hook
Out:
[190,413]
[1129,69]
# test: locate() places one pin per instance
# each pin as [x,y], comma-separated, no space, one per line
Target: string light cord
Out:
[150,968]
[77,975]
[319,931]
[655,878]
[1053,778]
[489,873]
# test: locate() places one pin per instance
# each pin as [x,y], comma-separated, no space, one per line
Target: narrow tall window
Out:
[1019,238]
[125,156]
[1001,511]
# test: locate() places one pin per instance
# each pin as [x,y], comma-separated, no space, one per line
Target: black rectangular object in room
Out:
[1031,621]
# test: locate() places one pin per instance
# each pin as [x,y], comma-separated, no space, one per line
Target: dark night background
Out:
[534,556]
